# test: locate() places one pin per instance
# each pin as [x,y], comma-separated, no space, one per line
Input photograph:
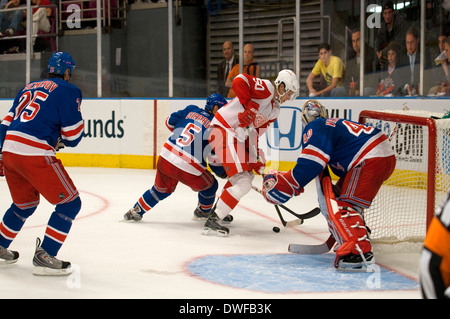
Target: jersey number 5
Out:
[29,106]
[186,137]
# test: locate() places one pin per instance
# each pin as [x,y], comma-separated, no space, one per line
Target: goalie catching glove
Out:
[278,187]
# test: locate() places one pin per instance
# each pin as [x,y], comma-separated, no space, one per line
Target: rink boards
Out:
[129,133]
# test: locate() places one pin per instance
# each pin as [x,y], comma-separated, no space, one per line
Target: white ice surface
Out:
[114,259]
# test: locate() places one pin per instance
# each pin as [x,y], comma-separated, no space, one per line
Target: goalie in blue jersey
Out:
[361,156]
[184,158]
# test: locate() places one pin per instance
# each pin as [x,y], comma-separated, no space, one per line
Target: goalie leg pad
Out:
[347,226]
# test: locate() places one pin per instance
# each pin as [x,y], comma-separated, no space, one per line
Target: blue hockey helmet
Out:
[213,100]
[59,62]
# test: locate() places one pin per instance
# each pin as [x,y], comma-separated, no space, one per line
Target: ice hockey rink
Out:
[165,256]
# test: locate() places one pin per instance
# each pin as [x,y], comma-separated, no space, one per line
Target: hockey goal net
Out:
[405,204]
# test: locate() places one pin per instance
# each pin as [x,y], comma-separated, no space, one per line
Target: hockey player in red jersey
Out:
[247,116]
[183,159]
[45,117]
[361,156]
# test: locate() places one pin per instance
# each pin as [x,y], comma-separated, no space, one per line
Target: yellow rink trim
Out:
[106,160]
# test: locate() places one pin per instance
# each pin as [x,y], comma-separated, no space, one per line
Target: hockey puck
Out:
[276,229]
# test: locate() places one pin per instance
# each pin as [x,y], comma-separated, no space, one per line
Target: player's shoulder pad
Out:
[67,86]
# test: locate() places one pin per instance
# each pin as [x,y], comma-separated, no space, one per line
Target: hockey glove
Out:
[246,118]
[278,187]
[59,144]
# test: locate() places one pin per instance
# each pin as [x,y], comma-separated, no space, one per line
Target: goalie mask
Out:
[289,79]
[312,109]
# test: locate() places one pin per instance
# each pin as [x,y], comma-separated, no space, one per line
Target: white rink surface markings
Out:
[150,259]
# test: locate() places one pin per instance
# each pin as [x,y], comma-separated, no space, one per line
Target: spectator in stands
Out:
[10,21]
[352,69]
[444,88]
[391,83]
[40,17]
[225,66]
[393,28]
[250,68]
[331,68]
[411,62]
[440,77]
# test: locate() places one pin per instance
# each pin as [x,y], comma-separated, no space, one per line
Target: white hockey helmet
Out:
[312,109]
[289,79]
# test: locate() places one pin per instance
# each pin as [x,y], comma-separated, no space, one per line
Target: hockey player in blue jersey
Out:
[183,158]
[45,117]
[361,156]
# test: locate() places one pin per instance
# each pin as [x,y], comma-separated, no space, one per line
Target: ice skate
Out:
[354,262]
[227,219]
[47,265]
[199,214]
[213,227]
[8,256]
[133,214]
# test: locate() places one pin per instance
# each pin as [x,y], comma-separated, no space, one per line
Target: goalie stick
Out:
[313,249]
[331,241]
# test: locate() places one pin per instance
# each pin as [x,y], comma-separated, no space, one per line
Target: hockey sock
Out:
[12,223]
[59,225]
[150,198]
[235,188]
[207,197]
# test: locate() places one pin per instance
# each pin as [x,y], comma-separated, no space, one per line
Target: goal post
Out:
[406,203]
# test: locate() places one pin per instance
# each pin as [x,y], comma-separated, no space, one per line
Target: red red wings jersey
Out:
[249,89]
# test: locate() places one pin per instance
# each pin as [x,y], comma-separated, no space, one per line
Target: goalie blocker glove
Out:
[278,187]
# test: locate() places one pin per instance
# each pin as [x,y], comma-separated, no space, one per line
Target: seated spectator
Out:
[391,83]
[40,17]
[10,20]
[393,28]
[331,68]
[250,68]
[439,75]
[411,62]
[352,69]
[444,87]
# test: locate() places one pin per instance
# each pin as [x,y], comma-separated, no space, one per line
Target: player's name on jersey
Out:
[199,118]
[48,85]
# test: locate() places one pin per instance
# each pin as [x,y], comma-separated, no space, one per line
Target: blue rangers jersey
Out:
[43,112]
[188,147]
[339,143]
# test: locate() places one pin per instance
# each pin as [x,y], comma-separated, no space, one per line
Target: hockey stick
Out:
[313,249]
[312,213]
[329,243]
